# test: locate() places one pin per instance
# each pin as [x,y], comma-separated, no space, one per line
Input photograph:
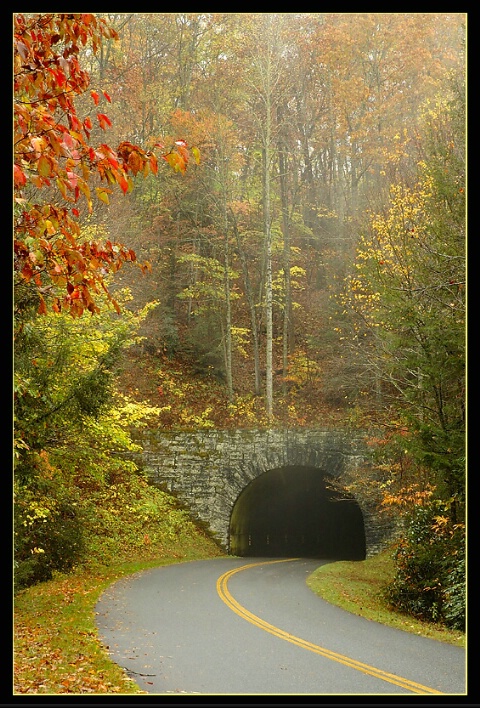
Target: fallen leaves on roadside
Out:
[46,659]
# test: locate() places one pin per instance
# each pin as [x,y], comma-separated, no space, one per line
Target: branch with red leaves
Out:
[52,154]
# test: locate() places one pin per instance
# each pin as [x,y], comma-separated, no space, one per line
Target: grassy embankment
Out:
[356,586]
[56,648]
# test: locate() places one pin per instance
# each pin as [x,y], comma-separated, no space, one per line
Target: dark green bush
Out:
[429,581]
[45,543]
[454,607]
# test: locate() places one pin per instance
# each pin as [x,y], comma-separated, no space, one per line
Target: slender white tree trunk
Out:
[228,306]
[268,241]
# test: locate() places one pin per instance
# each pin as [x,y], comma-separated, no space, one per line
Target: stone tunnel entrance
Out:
[290,511]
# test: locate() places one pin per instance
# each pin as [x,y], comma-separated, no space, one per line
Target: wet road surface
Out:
[243,626]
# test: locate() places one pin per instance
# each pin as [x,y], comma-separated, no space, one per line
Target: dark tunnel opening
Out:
[291,512]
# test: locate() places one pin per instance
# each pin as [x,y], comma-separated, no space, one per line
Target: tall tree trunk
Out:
[310,202]
[266,57]
[252,308]
[268,310]
[189,38]
[287,309]
[268,273]
[267,81]
[228,303]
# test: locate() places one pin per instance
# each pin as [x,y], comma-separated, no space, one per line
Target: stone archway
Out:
[291,511]
[210,470]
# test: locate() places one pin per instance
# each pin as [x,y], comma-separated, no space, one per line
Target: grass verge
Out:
[356,586]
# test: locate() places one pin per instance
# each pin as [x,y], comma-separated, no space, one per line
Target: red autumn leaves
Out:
[52,152]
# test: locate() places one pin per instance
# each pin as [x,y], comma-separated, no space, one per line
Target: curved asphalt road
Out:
[252,626]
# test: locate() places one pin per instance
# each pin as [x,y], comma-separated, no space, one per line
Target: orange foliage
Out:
[409,496]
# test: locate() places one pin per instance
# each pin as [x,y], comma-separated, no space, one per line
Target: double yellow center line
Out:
[229,600]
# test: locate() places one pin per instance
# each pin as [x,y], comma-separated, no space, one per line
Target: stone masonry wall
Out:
[208,469]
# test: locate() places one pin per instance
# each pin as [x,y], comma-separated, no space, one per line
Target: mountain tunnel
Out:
[291,512]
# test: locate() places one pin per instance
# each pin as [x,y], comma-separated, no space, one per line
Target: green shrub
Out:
[48,538]
[454,607]
[131,517]
[429,581]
